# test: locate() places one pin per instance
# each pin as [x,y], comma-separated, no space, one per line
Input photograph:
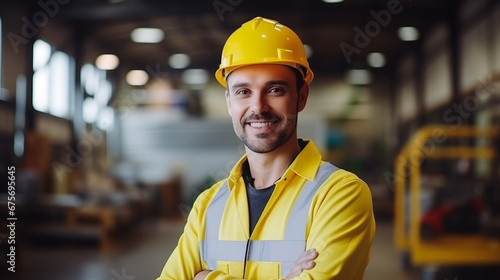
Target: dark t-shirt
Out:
[257,199]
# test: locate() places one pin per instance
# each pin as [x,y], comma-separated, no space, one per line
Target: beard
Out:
[271,140]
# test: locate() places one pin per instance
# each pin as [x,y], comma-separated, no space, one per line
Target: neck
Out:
[266,168]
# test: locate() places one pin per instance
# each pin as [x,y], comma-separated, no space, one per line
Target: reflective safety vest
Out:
[286,251]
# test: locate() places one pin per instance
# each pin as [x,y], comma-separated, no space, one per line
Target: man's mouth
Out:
[260,124]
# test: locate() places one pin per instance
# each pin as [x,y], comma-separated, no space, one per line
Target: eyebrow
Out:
[238,85]
[278,82]
[269,83]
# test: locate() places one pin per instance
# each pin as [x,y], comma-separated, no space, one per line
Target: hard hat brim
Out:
[222,73]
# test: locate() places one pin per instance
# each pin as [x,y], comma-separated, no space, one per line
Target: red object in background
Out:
[452,218]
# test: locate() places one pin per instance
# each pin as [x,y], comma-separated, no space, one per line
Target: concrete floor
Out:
[142,255]
[385,263]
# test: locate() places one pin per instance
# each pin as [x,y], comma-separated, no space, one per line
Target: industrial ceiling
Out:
[340,35]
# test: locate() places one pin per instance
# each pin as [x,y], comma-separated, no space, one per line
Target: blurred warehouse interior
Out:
[112,118]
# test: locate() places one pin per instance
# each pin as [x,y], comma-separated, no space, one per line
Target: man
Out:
[282,212]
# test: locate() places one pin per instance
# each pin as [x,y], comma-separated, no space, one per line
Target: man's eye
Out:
[276,90]
[242,92]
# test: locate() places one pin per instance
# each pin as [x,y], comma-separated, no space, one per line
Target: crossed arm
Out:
[304,262]
[341,234]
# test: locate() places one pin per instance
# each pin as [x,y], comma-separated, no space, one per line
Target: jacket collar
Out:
[305,164]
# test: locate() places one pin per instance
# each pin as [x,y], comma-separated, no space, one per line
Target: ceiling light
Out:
[333,1]
[90,110]
[195,76]
[147,35]
[376,59]
[408,33]
[309,50]
[106,118]
[107,61]
[179,61]
[41,54]
[359,77]
[137,77]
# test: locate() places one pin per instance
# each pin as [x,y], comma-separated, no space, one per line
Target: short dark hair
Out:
[299,78]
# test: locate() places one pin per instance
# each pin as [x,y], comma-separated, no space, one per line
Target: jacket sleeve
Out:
[342,229]
[184,262]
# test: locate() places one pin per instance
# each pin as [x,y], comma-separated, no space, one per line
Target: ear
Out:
[303,94]
[228,102]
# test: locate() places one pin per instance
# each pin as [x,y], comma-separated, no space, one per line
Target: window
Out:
[53,73]
[98,90]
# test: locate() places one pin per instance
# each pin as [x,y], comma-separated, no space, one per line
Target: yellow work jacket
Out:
[339,225]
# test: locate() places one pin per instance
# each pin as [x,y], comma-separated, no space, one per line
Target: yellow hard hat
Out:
[263,41]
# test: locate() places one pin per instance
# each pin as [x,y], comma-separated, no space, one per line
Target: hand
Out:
[202,274]
[305,262]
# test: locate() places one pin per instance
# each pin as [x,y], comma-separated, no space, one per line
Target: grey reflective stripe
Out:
[222,250]
[275,250]
[296,230]
[208,248]
[297,221]
[285,251]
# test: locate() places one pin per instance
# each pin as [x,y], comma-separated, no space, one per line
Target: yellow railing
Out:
[426,144]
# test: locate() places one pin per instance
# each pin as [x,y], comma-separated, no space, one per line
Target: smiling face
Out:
[263,104]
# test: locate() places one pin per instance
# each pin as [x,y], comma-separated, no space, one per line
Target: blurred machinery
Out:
[445,213]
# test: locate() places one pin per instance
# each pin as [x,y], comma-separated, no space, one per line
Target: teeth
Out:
[260,124]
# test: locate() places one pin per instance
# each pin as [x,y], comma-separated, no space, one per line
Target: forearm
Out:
[304,262]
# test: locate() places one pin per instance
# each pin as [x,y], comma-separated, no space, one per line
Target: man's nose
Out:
[259,103]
